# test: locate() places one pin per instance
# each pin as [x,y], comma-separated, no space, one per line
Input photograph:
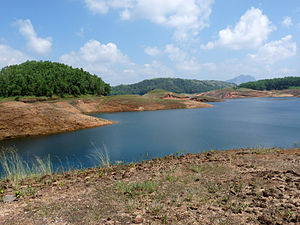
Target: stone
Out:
[9,198]
[138,219]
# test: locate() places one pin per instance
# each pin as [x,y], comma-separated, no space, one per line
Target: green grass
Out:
[54,98]
[133,189]
[156,93]
[294,88]
[15,168]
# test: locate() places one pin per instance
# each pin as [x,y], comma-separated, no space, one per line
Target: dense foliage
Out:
[46,78]
[170,84]
[273,84]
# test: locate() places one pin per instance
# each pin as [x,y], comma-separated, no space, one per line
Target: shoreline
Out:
[19,119]
[241,186]
[41,117]
[249,93]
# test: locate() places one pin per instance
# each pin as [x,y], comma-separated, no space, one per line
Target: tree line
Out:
[45,78]
[273,84]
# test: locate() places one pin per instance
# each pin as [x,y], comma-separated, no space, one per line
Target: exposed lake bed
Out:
[246,186]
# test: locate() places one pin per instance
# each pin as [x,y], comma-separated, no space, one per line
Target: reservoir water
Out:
[239,123]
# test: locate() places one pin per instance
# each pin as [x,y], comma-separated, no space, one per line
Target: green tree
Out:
[45,78]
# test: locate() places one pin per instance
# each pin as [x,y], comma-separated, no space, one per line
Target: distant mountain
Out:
[176,85]
[241,79]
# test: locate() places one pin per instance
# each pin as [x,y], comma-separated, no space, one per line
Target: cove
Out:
[237,123]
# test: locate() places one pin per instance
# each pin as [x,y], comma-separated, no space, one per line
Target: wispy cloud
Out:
[287,21]
[35,44]
[276,50]
[10,56]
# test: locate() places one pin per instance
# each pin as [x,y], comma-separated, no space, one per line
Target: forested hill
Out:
[170,84]
[46,78]
[273,84]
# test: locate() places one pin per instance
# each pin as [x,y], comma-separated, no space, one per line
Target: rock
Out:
[9,198]
[138,219]
[264,220]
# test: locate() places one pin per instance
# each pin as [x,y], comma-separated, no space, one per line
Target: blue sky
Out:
[126,41]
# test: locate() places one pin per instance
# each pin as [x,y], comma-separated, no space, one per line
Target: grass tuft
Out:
[102,158]
[15,168]
[133,189]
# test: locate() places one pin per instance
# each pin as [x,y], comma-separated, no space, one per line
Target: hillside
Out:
[274,84]
[175,85]
[45,78]
[241,79]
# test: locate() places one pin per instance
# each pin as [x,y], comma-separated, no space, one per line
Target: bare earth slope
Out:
[19,119]
[248,93]
[250,186]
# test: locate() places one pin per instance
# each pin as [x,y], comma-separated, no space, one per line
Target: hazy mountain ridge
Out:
[241,79]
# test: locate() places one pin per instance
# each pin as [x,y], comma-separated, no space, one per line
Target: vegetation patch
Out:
[273,84]
[132,189]
[45,78]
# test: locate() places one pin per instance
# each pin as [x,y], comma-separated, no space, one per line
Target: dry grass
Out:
[17,169]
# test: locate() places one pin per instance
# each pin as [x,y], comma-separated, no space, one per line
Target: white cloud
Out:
[10,56]
[93,53]
[152,51]
[184,62]
[103,6]
[152,70]
[287,21]
[276,50]
[35,44]
[105,60]
[175,53]
[188,17]
[250,32]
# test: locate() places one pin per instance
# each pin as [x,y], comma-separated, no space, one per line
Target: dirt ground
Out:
[248,93]
[245,186]
[18,119]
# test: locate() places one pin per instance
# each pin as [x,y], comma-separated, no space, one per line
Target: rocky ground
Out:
[246,186]
[30,118]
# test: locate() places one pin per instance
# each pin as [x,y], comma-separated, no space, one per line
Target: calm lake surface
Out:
[238,123]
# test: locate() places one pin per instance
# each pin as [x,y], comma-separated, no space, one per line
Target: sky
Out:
[126,41]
